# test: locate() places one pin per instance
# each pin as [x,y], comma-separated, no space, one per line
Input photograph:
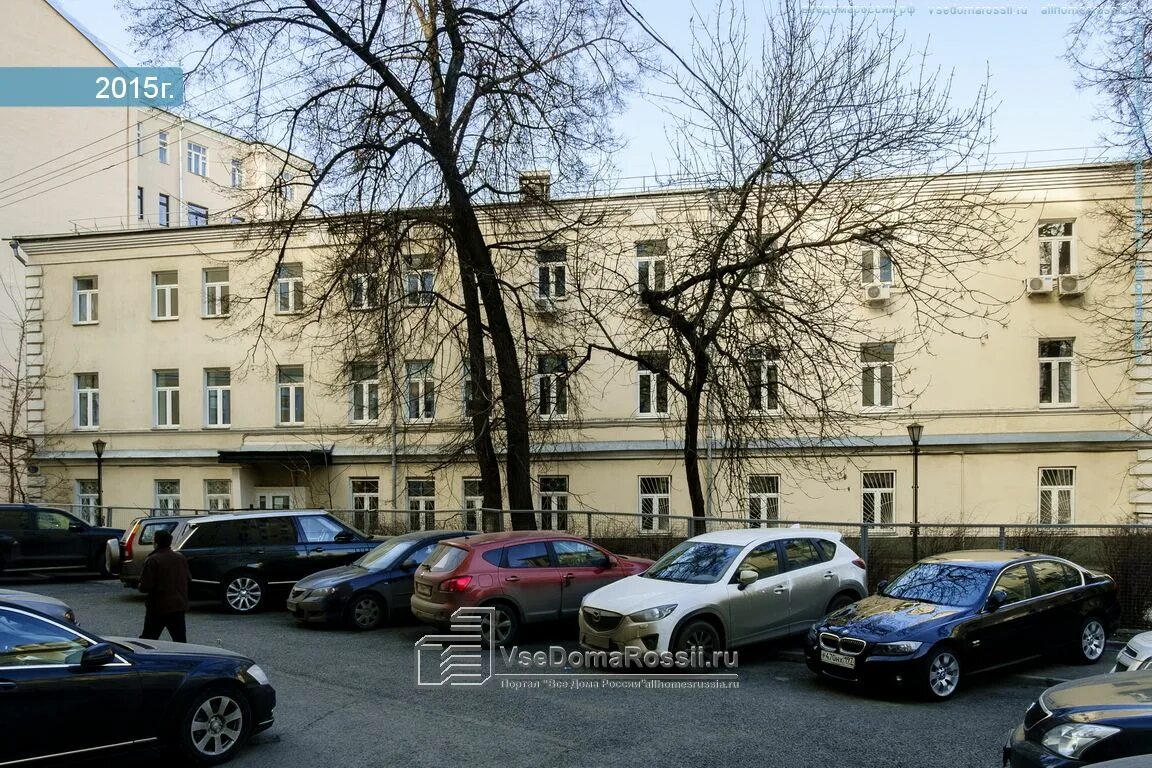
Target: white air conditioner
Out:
[1072,285]
[1039,284]
[877,293]
[545,305]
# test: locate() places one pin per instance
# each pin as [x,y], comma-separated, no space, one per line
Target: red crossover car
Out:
[527,576]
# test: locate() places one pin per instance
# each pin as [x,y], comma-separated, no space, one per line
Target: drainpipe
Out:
[181,151]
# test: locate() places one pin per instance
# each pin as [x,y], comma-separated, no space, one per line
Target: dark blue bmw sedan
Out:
[964,612]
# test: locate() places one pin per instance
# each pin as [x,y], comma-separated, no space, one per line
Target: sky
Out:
[1041,117]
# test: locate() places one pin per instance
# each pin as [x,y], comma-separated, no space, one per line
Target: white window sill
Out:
[552,417]
[165,319]
[214,317]
[651,416]
[288,312]
[878,408]
[289,424]
[1056,406]
[364,422]
[85,322]
[770,412]
[166,427]
[420,421]
[217,426]
[86,429]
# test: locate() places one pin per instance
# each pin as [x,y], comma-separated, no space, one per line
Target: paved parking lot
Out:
[348,699]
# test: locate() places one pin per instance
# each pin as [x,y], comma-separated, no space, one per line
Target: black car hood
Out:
[881,618]
[331,577]
[166,648]
[1103,696]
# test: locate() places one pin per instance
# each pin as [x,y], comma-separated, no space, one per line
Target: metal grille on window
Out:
[878,497]
[554,503]
[365,503]
[655,504]
[167,497]
[1057,486]
[218,494]
[763,499]
[421,505]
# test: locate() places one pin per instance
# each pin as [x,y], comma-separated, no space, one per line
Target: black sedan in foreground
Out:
[68,693]
[369,592]
[1085,722]
[963,612]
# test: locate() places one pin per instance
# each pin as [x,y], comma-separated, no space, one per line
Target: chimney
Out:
[535,186]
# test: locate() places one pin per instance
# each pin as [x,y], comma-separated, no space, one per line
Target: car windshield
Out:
[941,584]
[694,562]
[384,556]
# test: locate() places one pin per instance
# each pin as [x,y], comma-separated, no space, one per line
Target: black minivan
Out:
[240,558]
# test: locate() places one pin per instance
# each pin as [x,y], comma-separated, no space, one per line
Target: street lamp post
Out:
[914,433]
[98,446]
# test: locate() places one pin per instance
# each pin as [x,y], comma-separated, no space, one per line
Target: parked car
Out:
[49,606]
[110,694]
[525,576]
[139,541]
[963,612]
[1085,722]
[35,538]
[1136,654]
[371,591]
[239,558]
[726,589]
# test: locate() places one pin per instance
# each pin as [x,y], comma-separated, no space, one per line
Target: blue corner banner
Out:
[91,86]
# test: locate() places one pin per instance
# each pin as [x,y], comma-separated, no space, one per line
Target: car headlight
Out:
[1070,740]
[323,591]
[653,614]
[257,674]
[905,648]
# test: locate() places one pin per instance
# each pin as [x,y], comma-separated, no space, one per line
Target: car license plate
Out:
[596,642]
[423,589]
[838,659]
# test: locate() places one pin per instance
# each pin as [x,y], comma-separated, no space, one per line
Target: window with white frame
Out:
[473,502]
[763,499]
[552,386]
[217,397]
[290,288]
[421,504]
[877,373]
[468,384]
[551,273]
[763,379]
[197,159]
[365,502]
[167,497]
[162,147]
[875,265]
[164,219]
[365,396]
[288,186]
[652,389]
[85,300]
[197,215]
[1056,248]
[878,497]
[1057,383]
[554,503]
[655,504]
[218,495]
[167,398]
[421,390]
[87,401]
[290,394]
[237,174]
[1057,495]
[139,138]
[652,265]
[88,498]
[216,292]
[363,290]
[419,287]
[165,295]
[140,203]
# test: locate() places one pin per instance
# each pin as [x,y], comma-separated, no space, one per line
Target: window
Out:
[801,553]
[287,186]
[552,385]
[364,288]
[764,560]
[217,397]
[1051,576]
[655,504]
[763,499]
[165,296]
[1057,386]
[473,501]
[421,390]
[167,385]
[237,174]
[197,215]
[876,374]
[365,502]
[162,147]
[218,495]
[1015,582]
[419,288]
[554,499]
[49,520]
[365,392]
[551,273]
[167,497]
[225,533]
[163,219]
[290,288]
[653,384]
[1056,248]
[87,401]
[1057,494]
[319,529]
[290,394]
[651,266]
[878,497]
[763,380]
[86,300]
[139,138]
[140,203]
[30,641]
[875,266]
[261,531]
[87,498]
[577,554]
[421,499]
[197,159]
[216,292]
[531,555]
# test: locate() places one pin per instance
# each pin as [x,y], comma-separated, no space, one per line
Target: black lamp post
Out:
[98,446]
[914,433]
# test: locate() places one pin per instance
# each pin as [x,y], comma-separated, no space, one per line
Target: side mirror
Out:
[613,562]
[880,587]
[996,600]
[344,537]
[97,656]
[409,565]
[746,577]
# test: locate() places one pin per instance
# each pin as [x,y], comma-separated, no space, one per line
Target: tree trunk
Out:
[692,403]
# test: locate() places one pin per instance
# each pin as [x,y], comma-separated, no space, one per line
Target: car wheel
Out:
[366,611]
[1090,642]
[702,640]
[214,727]
[244,593]
[842,600]
[942,676]
[500,627]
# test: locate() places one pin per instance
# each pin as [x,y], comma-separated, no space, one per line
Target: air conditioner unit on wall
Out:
[877,293]
[1038,285]
[545,305]
[1072,285]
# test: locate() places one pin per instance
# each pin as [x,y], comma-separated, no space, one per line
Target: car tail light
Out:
[458,584]
[860,564]
[131,539]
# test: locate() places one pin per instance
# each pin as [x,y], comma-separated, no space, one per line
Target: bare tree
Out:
[16,390]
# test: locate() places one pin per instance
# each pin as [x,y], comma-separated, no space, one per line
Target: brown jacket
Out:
[165,580]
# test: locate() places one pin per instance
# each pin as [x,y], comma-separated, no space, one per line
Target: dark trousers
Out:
[155,623]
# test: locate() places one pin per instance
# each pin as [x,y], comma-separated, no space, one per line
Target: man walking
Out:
[165,581]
